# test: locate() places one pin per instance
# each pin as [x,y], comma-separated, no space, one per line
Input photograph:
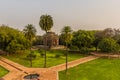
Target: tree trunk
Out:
[31,63]
[66,58]
[45,52]
[45,59]
[30,53]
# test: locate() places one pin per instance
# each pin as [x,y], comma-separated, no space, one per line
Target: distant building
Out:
[51,39]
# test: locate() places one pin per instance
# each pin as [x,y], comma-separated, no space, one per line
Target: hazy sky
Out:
[79,14]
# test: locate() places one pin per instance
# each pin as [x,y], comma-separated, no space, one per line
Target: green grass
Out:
[99,69]
[39,61]
[3,71]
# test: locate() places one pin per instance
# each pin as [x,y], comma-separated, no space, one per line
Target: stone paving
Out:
[73,63]
[17,71]
[110,55]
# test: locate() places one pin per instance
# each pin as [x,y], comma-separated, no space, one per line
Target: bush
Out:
[31,56]
[109,45]
[20,52]
[41,51]
[74,48]
[42,54]
[12,40]
[84,50]
[57,56]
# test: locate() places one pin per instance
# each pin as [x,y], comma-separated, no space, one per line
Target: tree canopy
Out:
[66,34]
[109,45]
[46,22]
[12,40]
[29,32]
[82,38]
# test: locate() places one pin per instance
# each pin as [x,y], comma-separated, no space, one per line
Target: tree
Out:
[30,57]
[82,38]
[98,37]
[12,40]
[38,40]
[117,35]
[29,32]
[46,23]
[67,36]
[109,45]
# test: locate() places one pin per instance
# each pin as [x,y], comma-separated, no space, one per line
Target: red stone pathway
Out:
[17,71]
[73,63]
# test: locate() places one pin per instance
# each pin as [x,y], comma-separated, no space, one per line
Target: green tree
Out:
[82,38]
[30,33]
[98,37]
[46,23]
[67,36]
[12,40]
[109,45]
[38,40]
[31,57]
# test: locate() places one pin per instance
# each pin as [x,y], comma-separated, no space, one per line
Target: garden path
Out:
[73,63]
[110,55]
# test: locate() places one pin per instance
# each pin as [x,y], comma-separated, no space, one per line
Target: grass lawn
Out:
[3,71]
[99,69]
[39,61]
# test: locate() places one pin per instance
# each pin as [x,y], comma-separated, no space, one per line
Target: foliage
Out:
[41,51]
[84,50]
[73,47]
[66,35]
[106,33]
[38,40]
[82,38]
[29,32]
[109,45]
[98,38]
[31,56]
[57,55]
[42,54]
[12,40]
[46,22]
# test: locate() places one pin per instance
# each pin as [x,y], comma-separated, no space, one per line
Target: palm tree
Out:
[30,32]
[67,36]
[46,23]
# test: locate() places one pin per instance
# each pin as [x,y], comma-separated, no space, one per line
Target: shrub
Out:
[74,48]
[31,56]
[41,51]
[109,45]
[57,56]
[42,54]
[84,50]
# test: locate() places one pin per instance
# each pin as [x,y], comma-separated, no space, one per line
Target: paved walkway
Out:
[73,63]
[17,71]
[110,55]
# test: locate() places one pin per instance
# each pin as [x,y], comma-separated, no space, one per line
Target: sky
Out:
[79,14]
